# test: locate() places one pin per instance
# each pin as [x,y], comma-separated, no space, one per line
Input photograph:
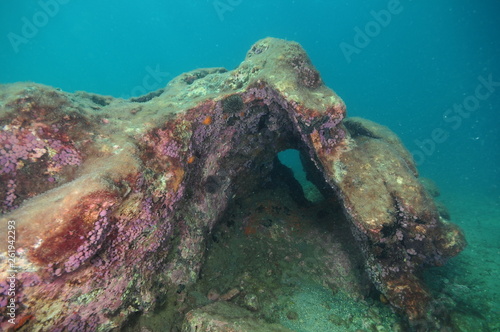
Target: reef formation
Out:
[112,201]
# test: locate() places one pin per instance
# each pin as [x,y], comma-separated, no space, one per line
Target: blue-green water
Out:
[413,66]
[428,70]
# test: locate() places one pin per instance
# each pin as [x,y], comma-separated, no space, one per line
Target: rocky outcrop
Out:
[110,201]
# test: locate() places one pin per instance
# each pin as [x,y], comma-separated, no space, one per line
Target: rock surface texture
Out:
[112,200]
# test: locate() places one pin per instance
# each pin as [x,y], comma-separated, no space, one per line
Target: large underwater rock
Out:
[112,200]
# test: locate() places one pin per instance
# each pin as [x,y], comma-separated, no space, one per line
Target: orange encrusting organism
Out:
[191,159]
[250,230]
[22,321]
[207,120]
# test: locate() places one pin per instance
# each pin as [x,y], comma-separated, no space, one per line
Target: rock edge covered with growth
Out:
[113,199]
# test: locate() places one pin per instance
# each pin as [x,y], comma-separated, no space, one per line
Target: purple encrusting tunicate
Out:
[22,144]
[172,149]
[27,150]
[16,145]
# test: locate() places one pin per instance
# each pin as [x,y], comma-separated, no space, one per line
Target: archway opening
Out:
[291,159]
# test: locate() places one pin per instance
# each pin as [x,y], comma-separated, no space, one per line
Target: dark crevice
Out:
[99,100]
[147,97]
[356,129]
[283,175]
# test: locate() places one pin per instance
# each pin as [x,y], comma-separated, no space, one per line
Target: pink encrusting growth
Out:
[33,149]
[88,249]
[18,144]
